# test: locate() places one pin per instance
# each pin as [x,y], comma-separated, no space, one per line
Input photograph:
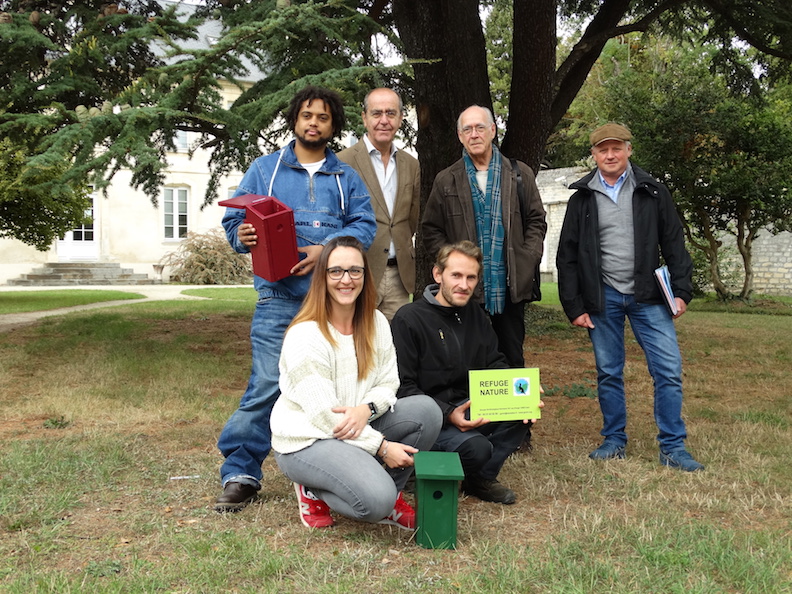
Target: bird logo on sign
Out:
[521,387]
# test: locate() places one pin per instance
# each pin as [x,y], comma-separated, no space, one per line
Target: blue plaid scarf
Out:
[489,227]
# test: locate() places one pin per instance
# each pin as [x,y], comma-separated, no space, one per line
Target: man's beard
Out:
[312,144]
[448,295]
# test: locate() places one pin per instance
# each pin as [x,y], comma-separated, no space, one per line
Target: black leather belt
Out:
[391,261]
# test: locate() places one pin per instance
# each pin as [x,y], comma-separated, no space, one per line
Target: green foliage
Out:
[569,145]
[730,273]
[498,33]
[56,423]
[36,207]
[323,43]
[765,25]
[725,153]
[103,568]
[208,259]
[87,92]
[64,66]
[721,143]
[89,89]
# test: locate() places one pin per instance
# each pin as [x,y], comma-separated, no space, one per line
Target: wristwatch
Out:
[373,409]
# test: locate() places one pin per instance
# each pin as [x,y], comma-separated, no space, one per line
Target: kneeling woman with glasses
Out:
[337,420]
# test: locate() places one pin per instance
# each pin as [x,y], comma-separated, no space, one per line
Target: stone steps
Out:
[62,274]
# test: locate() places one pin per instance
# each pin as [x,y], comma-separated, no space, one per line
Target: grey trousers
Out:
[353,482]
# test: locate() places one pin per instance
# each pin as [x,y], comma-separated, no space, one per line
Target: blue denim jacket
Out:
[333,202]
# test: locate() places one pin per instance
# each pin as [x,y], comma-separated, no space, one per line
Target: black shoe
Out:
[488,490]
[235,497]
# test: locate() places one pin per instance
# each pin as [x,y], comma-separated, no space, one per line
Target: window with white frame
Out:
[174,205]
[180,141]
[85,232]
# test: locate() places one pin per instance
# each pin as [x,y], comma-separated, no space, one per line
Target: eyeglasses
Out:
[337,273]
[392,114]
[479,128]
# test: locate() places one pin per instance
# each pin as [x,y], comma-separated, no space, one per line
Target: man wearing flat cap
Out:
[618,223]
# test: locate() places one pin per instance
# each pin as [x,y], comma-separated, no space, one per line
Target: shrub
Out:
[207,259]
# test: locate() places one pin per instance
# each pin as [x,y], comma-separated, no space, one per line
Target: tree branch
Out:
[600,30]
[742,32]
[375,13]
[572,73]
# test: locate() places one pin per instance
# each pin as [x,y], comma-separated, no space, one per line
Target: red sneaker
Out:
[403,515]
[314,513]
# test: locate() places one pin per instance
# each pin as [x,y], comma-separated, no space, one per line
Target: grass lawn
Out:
[247,294]
[25,301]
[109,469]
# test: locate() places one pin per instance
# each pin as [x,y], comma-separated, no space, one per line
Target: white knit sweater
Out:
[316,377]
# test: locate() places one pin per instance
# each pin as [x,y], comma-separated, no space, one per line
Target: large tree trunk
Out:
[533,76]
[446,40]
[540,94]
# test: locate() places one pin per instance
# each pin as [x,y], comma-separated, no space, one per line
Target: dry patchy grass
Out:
[157,419]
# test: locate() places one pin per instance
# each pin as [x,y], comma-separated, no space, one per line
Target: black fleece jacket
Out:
[436,346]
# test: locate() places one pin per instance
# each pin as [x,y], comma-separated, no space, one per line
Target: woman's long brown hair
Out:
[317,305]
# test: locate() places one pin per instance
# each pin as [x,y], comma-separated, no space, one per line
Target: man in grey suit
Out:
[392,177]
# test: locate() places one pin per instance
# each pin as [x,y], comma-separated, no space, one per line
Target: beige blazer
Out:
[402,225]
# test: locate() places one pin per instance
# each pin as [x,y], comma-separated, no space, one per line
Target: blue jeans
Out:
[654,330]
[352,481]
[246,438]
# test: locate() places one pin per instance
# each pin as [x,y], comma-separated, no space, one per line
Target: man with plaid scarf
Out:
[477,199]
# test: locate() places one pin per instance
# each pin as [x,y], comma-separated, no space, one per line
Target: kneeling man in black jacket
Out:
[438,339]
